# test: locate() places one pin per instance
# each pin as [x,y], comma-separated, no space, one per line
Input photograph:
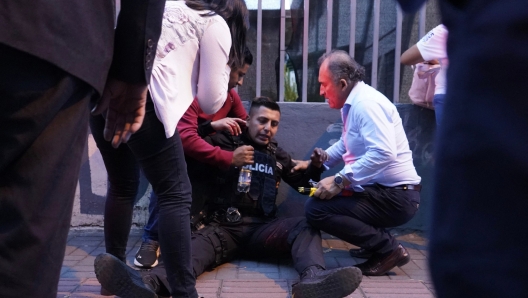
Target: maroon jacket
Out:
[195,124]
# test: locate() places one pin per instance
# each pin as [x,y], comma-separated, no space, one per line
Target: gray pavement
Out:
[250,278]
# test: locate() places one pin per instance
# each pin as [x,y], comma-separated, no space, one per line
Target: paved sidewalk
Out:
[248,278]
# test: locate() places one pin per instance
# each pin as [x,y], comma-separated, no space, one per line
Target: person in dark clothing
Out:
[57,57]
[477,243]
[234,222]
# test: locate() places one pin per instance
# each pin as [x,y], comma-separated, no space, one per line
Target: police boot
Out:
[317,282]
[119,279]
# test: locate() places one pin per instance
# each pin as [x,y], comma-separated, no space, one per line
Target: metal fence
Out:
[304,75]
[329,29]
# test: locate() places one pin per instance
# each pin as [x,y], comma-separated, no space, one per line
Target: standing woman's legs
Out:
[163,163]
[123,183]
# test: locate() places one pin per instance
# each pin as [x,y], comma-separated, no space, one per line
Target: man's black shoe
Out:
[319,283]
[360,253]
[381,264]
[119,279]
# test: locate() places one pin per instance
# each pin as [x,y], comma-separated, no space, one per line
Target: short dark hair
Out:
[342,66]
[236,15]
[263,101]
[248,57]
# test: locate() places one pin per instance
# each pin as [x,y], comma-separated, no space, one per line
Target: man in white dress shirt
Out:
[378,187]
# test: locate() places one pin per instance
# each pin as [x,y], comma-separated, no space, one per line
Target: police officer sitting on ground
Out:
[236,221]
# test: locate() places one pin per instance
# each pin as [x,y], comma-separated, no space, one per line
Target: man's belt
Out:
[417,187]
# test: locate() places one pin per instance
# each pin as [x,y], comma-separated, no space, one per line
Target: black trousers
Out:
[361,219]
[43,130]
[163,163]
[256,237]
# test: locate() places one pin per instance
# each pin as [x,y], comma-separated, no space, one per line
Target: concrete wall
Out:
[303,127]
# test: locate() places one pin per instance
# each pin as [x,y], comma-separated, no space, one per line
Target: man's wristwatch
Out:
[339,180]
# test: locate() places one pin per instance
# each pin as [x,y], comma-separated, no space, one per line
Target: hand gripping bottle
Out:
[244,179]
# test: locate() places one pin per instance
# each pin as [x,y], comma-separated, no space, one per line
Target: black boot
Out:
[153,284]
[119,279]
[334,283]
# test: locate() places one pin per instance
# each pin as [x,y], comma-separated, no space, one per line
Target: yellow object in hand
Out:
[305,190]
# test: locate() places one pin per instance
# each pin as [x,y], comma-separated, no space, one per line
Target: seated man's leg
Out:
[148,253]
[362,218]
[206,250]
[211,246]
[289,235]
[296,236]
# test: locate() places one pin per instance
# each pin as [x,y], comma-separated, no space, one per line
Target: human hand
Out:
[231,124]
[327,189]
[242,156]
[300,165]
[432,62]
[318,157]
[124,105]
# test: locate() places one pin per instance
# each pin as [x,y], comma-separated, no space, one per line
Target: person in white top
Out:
[200,40]
[432,48]
[378,186]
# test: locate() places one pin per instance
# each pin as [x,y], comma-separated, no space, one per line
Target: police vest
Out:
[261,198]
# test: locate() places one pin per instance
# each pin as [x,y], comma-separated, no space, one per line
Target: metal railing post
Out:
[305,51]
[329,17]
[375,44]
[352,43]
[282,49]
[259,49]
[397,54]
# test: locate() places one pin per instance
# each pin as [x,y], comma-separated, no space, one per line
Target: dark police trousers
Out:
[254,236]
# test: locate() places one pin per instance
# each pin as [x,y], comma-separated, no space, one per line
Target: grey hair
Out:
[342,66]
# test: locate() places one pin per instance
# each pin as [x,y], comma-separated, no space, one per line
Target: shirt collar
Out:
[355,91]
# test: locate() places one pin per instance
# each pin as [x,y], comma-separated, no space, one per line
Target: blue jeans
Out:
[163,163]
[438,103]
[151,228]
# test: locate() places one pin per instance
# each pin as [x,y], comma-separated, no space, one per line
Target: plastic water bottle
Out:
[244,179]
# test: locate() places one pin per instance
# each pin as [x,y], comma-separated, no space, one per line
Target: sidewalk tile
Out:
[252,278]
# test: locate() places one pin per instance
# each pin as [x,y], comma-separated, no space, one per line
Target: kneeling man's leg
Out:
[362,218]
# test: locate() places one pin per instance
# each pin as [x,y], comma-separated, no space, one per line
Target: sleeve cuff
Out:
[205,129]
